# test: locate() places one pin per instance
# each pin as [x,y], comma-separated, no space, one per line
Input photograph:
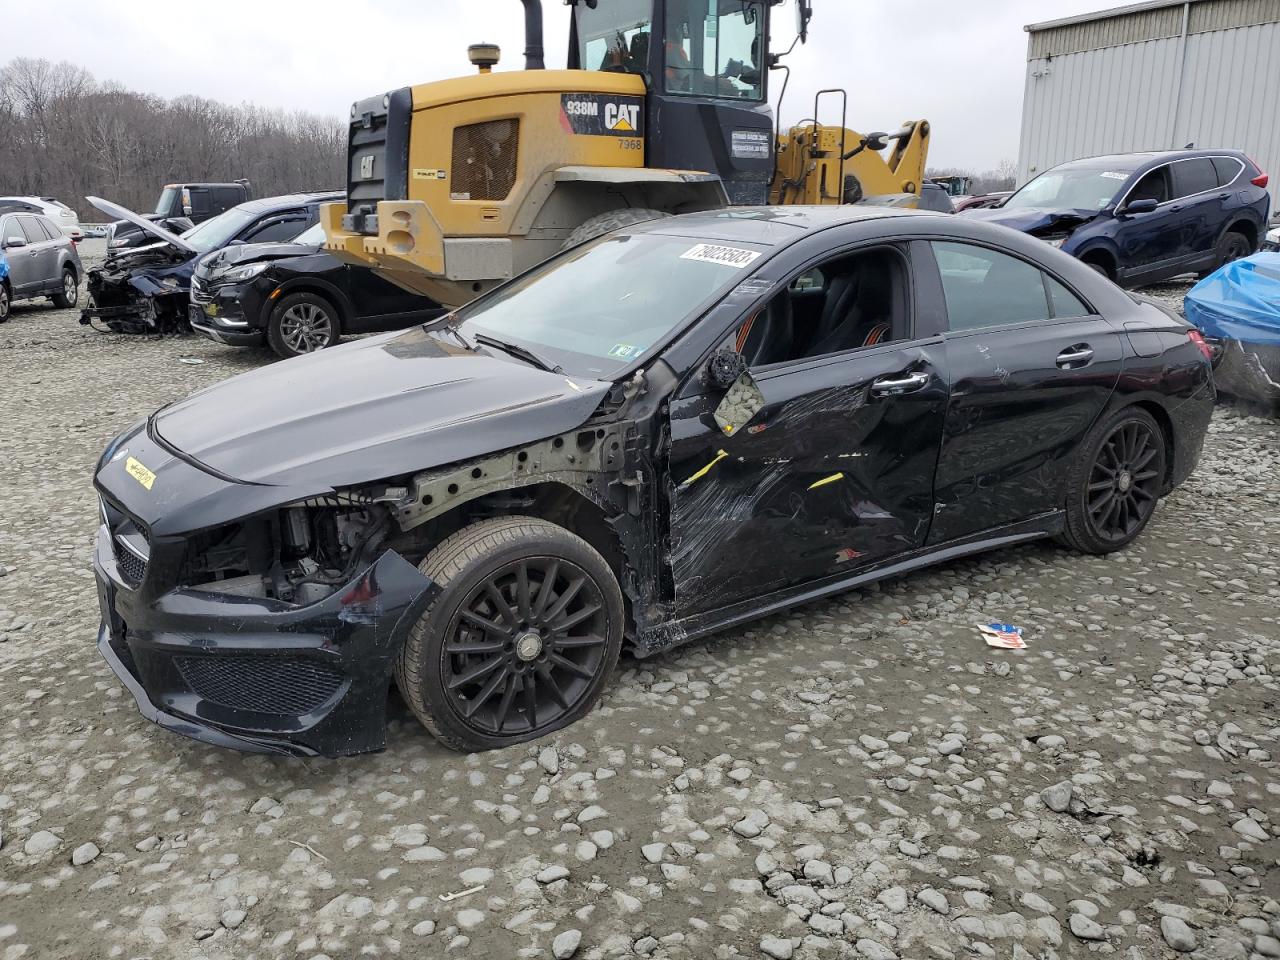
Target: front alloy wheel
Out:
[521,639]
[302,323]
[4,302]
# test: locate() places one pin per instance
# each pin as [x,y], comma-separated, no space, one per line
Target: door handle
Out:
[1078,356]
[894,385]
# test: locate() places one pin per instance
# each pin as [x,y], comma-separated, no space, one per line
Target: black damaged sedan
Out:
[663,433]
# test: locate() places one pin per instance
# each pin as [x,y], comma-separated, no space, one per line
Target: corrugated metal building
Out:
[1154,76]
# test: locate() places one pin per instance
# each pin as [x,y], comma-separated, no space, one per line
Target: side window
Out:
[274,231]
[50,231]
[1065,303]
[1194,176]
[199,201]
[854,301]
[226,197]
[1153,186]
[715,49]
[1227,169]
[32,230]
[10,230]
[984,288]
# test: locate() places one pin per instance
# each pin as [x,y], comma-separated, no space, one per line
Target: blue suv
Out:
[1144,217]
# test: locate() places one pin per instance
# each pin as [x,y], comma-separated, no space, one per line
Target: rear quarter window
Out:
[1227,170]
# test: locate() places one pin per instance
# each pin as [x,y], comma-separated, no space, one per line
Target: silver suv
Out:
[42,261]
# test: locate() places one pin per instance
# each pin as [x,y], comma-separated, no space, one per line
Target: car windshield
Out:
[167,202]
[1072,188]
[218,232]
[603,306]
[314,234]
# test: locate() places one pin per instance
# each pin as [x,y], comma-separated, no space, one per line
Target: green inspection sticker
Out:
[623,351]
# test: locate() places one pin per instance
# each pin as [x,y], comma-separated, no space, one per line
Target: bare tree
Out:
[64,135]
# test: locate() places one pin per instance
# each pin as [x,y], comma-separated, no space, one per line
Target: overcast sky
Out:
[959,65]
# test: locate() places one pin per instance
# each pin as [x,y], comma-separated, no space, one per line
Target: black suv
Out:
[295,297]
[180,207]
[146,290]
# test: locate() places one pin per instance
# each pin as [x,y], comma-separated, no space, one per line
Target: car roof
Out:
[770,226]
[1143,158]
[267,204]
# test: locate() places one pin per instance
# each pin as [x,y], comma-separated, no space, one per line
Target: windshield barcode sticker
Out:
[734,257]
[1115,175]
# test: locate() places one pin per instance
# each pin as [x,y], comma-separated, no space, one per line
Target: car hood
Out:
[118,212]
[1032,219]
[372,410]
[241,253]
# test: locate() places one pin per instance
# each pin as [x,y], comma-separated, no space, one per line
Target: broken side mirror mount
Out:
[742,399]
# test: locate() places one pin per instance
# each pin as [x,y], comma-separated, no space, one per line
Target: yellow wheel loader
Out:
[458,185]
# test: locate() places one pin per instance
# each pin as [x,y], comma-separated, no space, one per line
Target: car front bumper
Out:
[231,314]
[258,674]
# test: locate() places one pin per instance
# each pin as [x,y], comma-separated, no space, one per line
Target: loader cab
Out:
[706,67]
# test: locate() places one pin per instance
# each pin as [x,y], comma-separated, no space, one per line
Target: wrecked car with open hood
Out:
[665,432]
[1143,217]
[147,289]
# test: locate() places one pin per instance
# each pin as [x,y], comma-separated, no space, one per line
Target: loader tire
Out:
[608,222]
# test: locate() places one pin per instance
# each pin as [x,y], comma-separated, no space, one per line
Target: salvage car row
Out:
[252,275]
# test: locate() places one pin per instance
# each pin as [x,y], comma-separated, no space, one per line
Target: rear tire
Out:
[499,658]
[1114,485]
[70,294]
[303,323]
[608,222]
[1232,245]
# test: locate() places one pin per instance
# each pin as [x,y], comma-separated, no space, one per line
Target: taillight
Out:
[1262,179]
[1196,337]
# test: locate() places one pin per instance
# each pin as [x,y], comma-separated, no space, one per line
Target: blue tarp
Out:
[1240,301]
[4,267]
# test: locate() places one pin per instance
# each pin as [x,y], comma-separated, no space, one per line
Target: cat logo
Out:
[366,167]
[598,115]
[622,117]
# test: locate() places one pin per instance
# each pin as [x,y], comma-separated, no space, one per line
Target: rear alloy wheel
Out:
[302,323]
[1233,246]
[70,293]
[1115,485]
[521,640]
[4,302]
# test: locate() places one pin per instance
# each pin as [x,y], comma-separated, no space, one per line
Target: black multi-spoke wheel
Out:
[1117,483]
[521,639]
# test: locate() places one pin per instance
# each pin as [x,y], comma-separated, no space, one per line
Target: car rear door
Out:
[833,473]
[1032,366]
[1202,209]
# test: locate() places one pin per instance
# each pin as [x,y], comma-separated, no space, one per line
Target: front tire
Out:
[70,294]
[520,641]
[1115,484]
[303,323]
[5,302]
[598,226]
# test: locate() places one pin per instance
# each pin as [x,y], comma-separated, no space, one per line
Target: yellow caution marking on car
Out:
[825,480]
[720,455]
[140,473]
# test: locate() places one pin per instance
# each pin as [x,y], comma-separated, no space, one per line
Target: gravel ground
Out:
[861,777]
